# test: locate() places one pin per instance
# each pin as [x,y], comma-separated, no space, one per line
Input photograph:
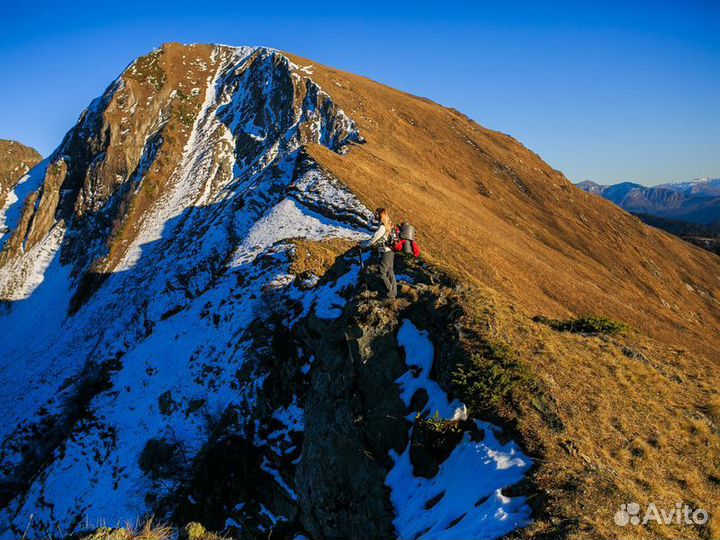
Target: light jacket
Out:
[378,240]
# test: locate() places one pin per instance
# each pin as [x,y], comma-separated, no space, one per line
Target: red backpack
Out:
[402,240]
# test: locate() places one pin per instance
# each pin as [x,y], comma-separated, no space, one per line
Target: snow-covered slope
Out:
[149,331]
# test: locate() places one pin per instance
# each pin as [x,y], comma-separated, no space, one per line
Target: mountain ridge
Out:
[152,276]
[513,188]
[697,201]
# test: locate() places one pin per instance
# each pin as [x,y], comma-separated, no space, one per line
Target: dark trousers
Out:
[387,273]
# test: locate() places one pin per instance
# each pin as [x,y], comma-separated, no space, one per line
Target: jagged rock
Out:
[340,476]
[15,161]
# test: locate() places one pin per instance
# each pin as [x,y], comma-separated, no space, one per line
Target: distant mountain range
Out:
[696,201]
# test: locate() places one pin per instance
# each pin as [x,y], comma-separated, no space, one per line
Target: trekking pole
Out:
[362,268]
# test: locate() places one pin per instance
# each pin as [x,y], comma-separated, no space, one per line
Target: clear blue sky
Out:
[618,91]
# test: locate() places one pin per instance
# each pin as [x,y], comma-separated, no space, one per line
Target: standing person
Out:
[380,242]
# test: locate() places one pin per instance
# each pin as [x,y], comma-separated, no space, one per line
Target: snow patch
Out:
[288,219]
[469,485]
[464,499]
[419,354]
[22,275]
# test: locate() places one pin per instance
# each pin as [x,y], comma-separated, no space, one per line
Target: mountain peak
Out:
[186,330]
[137,143]
[15,161]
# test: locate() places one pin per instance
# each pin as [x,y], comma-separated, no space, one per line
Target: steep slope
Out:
[15,160]
[184,330]
[494,211]
[160,200]
[162,351]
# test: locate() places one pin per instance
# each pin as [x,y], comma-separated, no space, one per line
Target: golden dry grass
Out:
[640,409]
[489,210]
[317,257]
[149,530]
[636,424]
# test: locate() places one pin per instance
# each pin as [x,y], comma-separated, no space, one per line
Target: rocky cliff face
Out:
[171,343]
[15,161]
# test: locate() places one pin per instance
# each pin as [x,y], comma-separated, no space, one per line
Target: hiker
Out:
[380,241]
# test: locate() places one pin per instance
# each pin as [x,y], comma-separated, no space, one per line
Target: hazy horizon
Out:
[622,92]
[615,182]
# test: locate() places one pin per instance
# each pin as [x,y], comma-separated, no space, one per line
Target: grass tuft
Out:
[147,531]
[584,325]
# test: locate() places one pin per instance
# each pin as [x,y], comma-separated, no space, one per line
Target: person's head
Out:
[383,217]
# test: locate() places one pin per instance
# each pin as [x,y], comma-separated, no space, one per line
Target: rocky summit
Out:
[15,161]
[187,332]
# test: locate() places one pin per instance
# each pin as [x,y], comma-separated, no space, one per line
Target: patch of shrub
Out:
[584,325]
[492,377]
[225,473]
[195,531]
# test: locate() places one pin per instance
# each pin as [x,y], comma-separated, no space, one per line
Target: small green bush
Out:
[437,424]
[432,441]
[492,377]
[584,325]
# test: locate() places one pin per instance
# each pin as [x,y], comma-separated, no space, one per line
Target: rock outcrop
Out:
[15,161]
